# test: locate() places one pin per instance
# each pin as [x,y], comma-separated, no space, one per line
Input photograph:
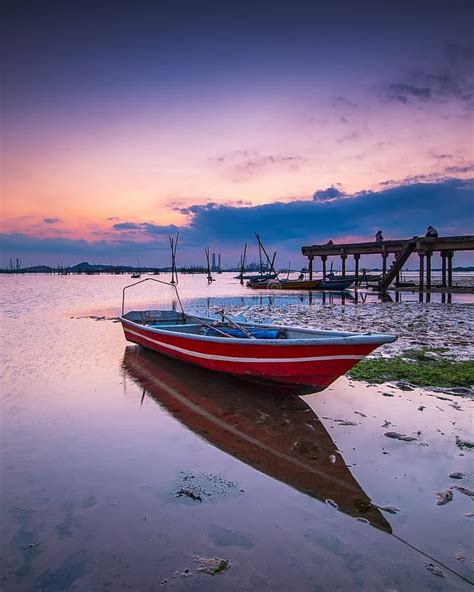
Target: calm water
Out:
[119,467]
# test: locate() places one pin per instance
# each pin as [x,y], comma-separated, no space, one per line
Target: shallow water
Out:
[102,441]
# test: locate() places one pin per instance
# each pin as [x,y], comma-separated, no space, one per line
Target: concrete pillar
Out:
[443,269]
[421,280]
[428,269]
[450,255]
[324,258]
[356,260]
[343,263]
[310,266]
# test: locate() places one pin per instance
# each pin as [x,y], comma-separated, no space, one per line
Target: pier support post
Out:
[450,254]
[384,264]
[421,280]
[428,269]
[356,260]
[324,258]
[443,269]
[343,264]
[310,267]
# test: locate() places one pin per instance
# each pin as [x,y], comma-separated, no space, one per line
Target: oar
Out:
[208,325]
[236,325]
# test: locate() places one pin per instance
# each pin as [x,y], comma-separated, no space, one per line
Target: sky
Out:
[124,122]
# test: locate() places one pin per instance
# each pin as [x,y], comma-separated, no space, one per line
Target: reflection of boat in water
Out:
[279,436]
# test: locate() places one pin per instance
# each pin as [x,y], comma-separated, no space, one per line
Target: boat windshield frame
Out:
[151,280]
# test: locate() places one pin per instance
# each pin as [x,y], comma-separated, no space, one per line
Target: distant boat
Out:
[268,353]
[256,276]
[277,284]
[337,284]
[136,274]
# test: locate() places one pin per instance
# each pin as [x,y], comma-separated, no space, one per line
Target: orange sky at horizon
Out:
[85,174]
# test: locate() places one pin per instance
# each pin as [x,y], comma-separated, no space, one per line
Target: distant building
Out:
[219,262]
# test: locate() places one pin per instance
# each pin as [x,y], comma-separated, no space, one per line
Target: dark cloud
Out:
[404,92]
[458,170]
[452,79]
[404,210]
[401,211]
[51,220]
[326,194]
[113,218]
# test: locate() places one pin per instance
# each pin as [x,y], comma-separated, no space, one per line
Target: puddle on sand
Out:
[96,434]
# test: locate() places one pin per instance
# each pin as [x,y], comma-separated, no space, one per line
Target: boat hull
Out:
[317,365]
[285,285]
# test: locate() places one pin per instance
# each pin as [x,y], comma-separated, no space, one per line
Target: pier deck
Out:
[401,249]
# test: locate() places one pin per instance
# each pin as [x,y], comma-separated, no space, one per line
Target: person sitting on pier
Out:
[379,237]
[431,232]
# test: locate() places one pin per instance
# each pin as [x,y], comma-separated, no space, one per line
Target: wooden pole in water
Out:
[272,269]
[242,264]
[310,267]
[209,274]
[324,259]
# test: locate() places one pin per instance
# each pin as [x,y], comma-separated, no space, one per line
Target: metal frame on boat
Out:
[284,354]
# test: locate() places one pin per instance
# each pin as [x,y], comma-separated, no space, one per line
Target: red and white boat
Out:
[264,352]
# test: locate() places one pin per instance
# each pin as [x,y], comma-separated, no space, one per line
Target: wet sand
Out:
[106,450]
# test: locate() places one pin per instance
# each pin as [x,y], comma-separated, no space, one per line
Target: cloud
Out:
[51,220]
[458,170]
[399,211]
[343,102]
[451,79]
[243,164]
[326,194]
[147,228]
[404,92]
[113,218]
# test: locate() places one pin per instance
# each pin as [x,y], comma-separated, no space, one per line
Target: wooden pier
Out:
[400,249]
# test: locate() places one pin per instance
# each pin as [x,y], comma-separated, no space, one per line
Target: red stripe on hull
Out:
[318,373]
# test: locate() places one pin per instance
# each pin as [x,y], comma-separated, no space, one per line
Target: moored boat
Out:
[263,352]
[336,284]
[276,284]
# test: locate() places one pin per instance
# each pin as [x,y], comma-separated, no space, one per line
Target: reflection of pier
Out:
[269,429]
[425,247]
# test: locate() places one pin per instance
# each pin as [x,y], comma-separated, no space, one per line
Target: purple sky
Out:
[123,122]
